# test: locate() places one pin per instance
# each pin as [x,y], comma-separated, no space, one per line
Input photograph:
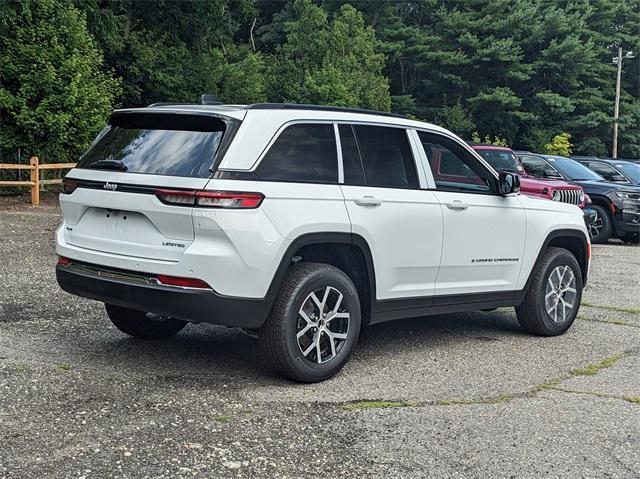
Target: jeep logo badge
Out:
[110,186]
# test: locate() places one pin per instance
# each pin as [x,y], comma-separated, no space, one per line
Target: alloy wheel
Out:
[322,325]
[596,226]
[560,295]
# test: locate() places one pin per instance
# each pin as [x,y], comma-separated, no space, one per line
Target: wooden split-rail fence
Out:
[34,180]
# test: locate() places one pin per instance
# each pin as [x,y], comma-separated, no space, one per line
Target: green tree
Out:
[559,145]
[518,68]
[328,62]
[455,118]
[54,97]
[173,50]
[242,75]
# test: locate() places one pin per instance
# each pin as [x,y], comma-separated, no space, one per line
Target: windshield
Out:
[502,160]
[631,170]
[176,145]
[573,170]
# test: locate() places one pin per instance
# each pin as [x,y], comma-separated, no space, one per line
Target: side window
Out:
[386,157]
[539,168]
[604,170]
[304,153]
[453,168]
[351,159]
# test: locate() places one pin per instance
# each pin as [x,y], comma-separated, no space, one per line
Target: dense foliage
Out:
[54,94]
[520,70]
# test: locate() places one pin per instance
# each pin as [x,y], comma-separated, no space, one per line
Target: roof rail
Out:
[303,106]
[168,103]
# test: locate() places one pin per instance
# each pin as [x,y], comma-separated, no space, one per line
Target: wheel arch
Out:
[347,251]
[601,200]
[574,241]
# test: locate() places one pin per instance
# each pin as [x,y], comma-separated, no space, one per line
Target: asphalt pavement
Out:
[461,395]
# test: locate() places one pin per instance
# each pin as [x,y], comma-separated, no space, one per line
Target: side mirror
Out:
[508,183]
[618,179]
[551,173]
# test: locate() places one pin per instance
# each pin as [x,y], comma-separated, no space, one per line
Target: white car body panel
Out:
[404,234]
[420,247]
[543,218]
[484,243]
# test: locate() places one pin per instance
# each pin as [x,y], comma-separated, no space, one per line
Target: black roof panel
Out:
[304,106]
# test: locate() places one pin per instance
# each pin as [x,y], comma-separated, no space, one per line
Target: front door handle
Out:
[457,205]
[368,201]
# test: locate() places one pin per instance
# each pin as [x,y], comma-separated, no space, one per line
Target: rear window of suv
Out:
[157,144]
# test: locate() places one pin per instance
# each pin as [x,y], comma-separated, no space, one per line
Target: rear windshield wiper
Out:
[109,165]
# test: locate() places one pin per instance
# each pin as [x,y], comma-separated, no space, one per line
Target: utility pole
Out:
[616,109]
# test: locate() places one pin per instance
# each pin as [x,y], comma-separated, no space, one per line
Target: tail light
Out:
[211,199]
[69,186]
[228,199]
[62,261]
[177,197]
[182,282]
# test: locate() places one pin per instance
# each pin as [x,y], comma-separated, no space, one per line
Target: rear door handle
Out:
[368,201]
[457,205]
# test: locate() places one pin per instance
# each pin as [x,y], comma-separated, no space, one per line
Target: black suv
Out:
[616,171]
[617,205]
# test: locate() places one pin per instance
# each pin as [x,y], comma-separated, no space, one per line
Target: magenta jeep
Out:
[503,159]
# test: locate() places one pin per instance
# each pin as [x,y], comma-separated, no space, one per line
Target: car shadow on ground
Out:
[208,352]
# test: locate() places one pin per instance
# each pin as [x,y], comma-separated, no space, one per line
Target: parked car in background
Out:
[617,171]
[617,205]
[504,159]
[631,160]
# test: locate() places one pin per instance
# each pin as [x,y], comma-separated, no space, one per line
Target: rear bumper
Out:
[201,306]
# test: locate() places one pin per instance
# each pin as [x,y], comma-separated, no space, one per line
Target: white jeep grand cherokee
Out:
[306,223]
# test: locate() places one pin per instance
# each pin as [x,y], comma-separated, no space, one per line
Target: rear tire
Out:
[552,302]
[143,325]
[314,324]
[601,228]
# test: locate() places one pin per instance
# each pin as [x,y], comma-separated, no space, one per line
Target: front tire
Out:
[314,324]
[552,302]
[143,325]
[601,228]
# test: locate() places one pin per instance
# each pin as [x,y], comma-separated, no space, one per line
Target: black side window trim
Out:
[355,136]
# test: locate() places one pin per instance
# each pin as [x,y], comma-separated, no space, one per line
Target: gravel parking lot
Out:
[463,395]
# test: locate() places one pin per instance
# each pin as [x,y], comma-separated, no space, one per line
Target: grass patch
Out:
[362,405]
[466,402]
[585,393]
[22,367]
[617,322]
[222,418]
[591,369]
[632,399]
[64,367]
[549,384]
[611,308]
